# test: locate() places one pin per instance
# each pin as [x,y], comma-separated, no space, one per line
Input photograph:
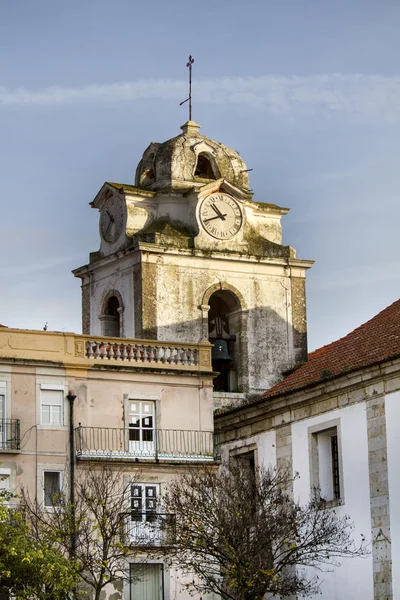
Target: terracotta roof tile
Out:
[375,341]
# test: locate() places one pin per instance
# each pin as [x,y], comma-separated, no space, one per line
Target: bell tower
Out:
[187,254]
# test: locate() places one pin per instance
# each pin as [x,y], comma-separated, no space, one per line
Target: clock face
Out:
[111,220]
[221,216]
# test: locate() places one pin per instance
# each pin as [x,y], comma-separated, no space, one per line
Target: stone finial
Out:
[191,128]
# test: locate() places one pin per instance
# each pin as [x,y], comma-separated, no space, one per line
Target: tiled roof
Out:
[374,342]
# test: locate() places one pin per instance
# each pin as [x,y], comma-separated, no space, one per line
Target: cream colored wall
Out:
[182,402]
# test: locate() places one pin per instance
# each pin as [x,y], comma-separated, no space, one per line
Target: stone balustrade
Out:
[82,351]
[145,353]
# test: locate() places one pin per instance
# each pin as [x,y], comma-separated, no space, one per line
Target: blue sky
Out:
[308,91]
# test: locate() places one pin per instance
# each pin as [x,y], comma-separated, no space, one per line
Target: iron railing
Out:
[9,434]
[149,528]
[156,444]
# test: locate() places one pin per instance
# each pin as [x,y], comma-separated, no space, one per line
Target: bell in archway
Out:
[220,351]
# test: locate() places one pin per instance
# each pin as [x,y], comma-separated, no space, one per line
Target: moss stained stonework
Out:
[86,308]
[299,319]
[165,259]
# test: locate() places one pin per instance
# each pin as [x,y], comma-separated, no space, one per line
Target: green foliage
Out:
[30,566]
[91,531]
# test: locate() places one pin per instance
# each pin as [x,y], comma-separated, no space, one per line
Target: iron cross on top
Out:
[189,64]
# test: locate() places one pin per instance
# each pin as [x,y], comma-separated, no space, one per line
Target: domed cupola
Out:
[189,160]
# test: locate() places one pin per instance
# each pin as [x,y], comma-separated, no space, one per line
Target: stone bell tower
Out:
[187,254]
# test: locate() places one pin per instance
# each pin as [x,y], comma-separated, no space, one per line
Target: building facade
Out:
[187,260]
[335,421]
[144,413]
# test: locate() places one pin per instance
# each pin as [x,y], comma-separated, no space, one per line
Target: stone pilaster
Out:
[299,319]
[379,495]
[284,460]
[86,308]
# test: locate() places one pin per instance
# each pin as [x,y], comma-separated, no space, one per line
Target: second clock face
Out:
[221,216]
[112,220]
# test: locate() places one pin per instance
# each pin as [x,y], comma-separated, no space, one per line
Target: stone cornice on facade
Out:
[151,248]
[250,419]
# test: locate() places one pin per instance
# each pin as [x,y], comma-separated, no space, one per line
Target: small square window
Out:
[51,406]
[51,488]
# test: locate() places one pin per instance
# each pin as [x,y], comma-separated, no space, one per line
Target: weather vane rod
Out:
[189,64]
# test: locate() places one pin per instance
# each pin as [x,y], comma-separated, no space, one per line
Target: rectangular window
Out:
[51,488]
[141,427]
[144,503]
[146,581]
[51,406]
[326,472]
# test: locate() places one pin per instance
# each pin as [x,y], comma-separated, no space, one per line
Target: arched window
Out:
[111,317]
[147,177]
[224,329]
[204,168]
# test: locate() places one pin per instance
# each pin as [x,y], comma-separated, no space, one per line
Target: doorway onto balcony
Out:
[141,419]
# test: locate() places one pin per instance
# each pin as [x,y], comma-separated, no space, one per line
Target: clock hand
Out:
[219,213]
[110,215]
[220,216]
[108,227]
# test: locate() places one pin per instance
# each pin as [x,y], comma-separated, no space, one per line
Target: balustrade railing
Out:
[142,353]
[9,434]
[171,444]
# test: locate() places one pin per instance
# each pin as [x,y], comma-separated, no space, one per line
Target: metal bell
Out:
[220,351]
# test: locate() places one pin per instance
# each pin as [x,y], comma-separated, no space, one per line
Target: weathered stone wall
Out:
[299,319]
[86,308]
[379,495]
[261,290]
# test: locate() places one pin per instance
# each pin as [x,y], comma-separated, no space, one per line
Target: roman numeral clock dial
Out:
[221,216]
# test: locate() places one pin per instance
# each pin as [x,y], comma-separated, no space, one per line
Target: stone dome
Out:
[189,160]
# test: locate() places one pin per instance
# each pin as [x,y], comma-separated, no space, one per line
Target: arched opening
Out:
[204,168]
[224,326]
[111,317]
[147,177]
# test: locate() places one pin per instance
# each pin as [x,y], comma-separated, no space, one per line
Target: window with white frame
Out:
[5,475]
[141,417]
[144,498]
[326,462]
[52,405]
[51,488]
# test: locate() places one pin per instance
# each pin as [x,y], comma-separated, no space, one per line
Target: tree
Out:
[90,531]
[242,536]
[30,567]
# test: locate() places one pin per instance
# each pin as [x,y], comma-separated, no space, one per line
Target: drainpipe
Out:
[71,398]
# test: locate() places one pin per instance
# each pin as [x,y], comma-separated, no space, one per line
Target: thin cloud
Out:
[355,96]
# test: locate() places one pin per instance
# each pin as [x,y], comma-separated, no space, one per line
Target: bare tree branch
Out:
[242,535]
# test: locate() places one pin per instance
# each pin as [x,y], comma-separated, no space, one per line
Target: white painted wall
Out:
[266,448]
[392,407]
[354,579]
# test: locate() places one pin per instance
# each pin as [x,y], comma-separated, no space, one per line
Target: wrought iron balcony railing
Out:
[153,444]
[149,528]
[9,435]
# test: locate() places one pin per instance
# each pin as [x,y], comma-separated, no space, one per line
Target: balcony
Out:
[83,351]
[9,435]
[148,529]
[157,445]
